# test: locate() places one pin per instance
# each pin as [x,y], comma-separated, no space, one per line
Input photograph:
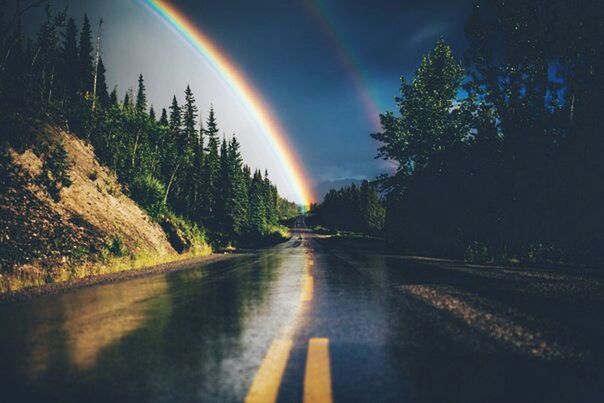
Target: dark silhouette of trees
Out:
[502,159]
[352,208]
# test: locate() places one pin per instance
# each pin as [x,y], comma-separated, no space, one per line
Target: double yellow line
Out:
[317,376]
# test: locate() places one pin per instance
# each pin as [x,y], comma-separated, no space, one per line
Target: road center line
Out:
[307,290]
[317,377]
[265,387]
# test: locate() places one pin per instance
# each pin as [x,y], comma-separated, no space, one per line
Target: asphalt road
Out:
[313,320]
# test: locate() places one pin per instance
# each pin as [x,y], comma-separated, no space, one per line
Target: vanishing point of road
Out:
[313,320]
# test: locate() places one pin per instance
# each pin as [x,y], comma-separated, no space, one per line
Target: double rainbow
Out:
[248,95]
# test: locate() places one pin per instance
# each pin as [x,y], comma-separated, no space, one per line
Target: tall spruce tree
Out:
[86,66]
[70,62]
[141,96]
[211,165]
[238,203]
[101,85]
[113,97]
[163,120]
[152,114]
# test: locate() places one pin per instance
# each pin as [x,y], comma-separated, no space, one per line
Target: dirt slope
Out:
[37,232]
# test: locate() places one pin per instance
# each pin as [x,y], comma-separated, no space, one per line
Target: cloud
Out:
[429,32]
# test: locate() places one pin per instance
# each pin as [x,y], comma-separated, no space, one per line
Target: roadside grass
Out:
[32,276]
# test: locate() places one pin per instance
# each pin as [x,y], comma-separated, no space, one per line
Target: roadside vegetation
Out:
[499,156]
[188,177]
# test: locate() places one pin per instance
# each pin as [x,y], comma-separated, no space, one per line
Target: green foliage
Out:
[55,169]
[115,246]
[149,192]
[167,166]
[352,208]
[141,96]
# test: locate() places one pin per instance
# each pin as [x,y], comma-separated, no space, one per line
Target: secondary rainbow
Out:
[345,55]
[249,96]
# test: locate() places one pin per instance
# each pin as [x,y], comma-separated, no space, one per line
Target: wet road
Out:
[314,320]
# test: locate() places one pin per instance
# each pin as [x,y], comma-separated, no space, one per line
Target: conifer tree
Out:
[101,85]
[172,161]
[197,170]
[163,120]
[223,192]
[189,119]
[238,203]
[55,170]
[113,97]
[70,62]
[211,165]
[141,96]
[152,114]
[86,69]
[257,209]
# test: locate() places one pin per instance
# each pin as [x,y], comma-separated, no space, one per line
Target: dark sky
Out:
[290,57]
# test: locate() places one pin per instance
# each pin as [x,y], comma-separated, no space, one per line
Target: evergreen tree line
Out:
[173,162]
[500,156]
[352,208]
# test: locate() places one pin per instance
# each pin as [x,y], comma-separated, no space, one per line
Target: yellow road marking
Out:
[317,378]
[265,387]
[307,290]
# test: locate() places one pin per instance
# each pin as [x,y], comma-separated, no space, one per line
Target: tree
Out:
[152,114]
[55,170]
[141,96]
[211,166]
[70,62]
[101,86]
[113,97]
[257,209]
[86,69]
[163,120]
[427,142]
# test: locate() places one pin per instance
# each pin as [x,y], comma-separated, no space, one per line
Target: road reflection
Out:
[194,335]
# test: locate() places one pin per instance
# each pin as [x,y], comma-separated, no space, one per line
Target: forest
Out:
[499,155]
[172,162]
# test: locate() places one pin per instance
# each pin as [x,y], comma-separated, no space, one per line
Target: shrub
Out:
[116,246]
[149,193]
[55,169]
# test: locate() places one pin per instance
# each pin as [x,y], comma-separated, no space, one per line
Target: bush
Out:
[149,192]
[182,234]
[55,169]
[116,246]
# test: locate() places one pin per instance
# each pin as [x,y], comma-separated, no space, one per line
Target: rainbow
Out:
[250,97]
[345,56]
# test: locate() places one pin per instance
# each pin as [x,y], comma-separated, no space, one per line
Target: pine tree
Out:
[172,161]
[55,170]
[152,114]
[127,101]
[70,62]
[113,97]
[141,96]
[211,166]
[198,177]
[163,120]
[86,69]
[189,119]
[257,210]
[101,86]
[238,203]
[223,193]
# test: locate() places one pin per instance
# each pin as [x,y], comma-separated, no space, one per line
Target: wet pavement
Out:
[313,319]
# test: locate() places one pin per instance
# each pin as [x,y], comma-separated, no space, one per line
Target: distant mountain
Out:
[321,188]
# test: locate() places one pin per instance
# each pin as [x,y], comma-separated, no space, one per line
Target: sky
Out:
[326,68]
